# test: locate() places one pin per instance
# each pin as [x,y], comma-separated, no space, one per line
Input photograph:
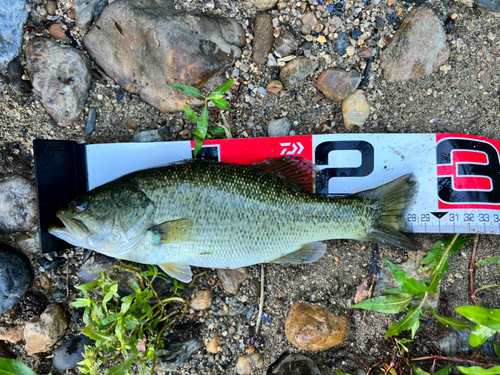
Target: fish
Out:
[223,215]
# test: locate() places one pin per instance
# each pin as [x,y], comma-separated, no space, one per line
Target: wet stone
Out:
[263,39]
[202,300]
[15,277]
[286,44]
[294,364]
[250,364]
[418,48]
[43,334]
[279,127]
[156,135]
[90,127]
[15,73]
[314,327]
[49,265]
[231,280]
[18,210]
[342,44]
[355,109]
[14,15]
[69,353]
[337,84]
[179,354]
[297,70]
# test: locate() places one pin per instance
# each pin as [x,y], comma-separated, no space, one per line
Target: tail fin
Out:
[392,201]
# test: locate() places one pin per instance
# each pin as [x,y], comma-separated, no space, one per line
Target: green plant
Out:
[216,96]
[14,367]
[177,286]
[125,329]
[409,289]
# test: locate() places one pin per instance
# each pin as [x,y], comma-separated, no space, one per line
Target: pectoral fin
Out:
[308,253]
[179,271]
[171,231]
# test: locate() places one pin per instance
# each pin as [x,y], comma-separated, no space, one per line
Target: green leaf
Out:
[109,319]
[190,114]
[338,372]
[443,371]
[419,371]
[496,346]
[407,284]
[456,324]
[479,335]
[217,131]
[476,370]
[221,103]
[122,368]
[14,367]
[198,144]
[222,88]
[410,322]
[489,260]
[81,302]
[481,315]
[216,97]
[87,286]
[94,335]
[203,123]
[126,302]
[397,290]
[188,90]
[391,304]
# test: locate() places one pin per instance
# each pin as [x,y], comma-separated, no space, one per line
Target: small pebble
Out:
[202,300]
[90,127]
[250,364]
[274,87]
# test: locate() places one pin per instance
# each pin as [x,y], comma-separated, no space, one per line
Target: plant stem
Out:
[451,359]
[261,303]
[472,294]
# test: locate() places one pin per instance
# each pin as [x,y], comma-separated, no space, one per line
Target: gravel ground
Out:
[465,99]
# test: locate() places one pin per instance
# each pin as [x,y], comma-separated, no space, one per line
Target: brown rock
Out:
[286,44]
[28,244]
[43,334]
[418,48]
[297,70]
[144,46]
[337,84]
[355,109]
[263,38]
[367,53]
[202,300]
[232,279]
[45,283]
[60,77]
[57,32]
[310,19]
[250,364]
[261,4]
[255,286]
[213,345]
[314,327]
[51,7]
[13,335]
[274,87]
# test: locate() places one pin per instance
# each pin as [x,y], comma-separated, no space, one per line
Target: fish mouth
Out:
[67,232]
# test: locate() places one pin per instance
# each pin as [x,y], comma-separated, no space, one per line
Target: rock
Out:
[232,279]
[49,265]
[279,127]
[342,44]
[90,127]
[492,5]
[367,53]
[250,364]
[286,44]
[213,345]
[350,50]
[43,334]
[263,38]
[202,300]
[309,19]
[5,352]
[14,15]
[60,77]
[337,84]
[181,48]
[45,283]
[28,244]
[274,87]
[57,32]
[69,353]
[297,70]
[261,4]
[15,73]
[59,294]
[93,266]
[232,32]
[314,327]
[294,364]
[255,287]
[306,30]
[15,277]
[13,336]
[18,210]
[355,109]
[321,39]
[85,10]
[156,135]
[51,7]
[418,48]
[179,354]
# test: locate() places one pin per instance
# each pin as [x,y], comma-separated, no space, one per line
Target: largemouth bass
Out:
[221,215]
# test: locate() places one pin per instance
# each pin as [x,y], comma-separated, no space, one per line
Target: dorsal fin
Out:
[294,169]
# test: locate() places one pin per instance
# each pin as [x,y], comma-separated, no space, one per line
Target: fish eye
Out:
[81,204]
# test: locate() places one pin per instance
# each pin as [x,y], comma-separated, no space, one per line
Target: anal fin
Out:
[179,271]
[171,231]
[308,253]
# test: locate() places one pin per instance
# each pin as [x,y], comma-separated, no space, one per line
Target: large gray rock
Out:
[418,48]
[144,47]
[12,19]
[15,278]
[18,211]
[60,77]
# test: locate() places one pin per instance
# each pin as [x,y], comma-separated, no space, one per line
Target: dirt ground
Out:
[465,100]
